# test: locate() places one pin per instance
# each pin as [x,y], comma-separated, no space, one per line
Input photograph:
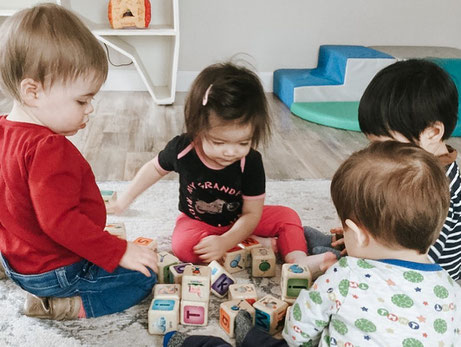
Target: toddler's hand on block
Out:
[139,258]
[337,240]
[211,248]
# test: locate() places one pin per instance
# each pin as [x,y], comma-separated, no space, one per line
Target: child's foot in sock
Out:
[174,339]
[243,324]
[322,249]
[317,264]
[267,242]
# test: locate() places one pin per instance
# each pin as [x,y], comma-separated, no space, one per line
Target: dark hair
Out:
[407,97]
[397,191]
[234,93]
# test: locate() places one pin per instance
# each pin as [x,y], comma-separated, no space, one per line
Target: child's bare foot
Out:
[267,242]
[317,264]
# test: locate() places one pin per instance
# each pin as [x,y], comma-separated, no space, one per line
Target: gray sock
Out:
[177,340]
[243,324]
[322,249]
[316,238]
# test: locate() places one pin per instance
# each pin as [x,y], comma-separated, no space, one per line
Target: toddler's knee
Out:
[153,279]
[185,253]
[290,215]
[144,282]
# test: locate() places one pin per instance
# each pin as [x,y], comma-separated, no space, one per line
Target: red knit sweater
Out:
[51,210]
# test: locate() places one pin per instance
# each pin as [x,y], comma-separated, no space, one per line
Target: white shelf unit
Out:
[154,51]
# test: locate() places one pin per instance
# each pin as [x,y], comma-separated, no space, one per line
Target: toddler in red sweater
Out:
[52,238]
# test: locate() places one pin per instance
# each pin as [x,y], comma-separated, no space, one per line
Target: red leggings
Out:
[276,221]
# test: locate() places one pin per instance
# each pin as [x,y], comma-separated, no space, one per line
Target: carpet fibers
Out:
[153,215]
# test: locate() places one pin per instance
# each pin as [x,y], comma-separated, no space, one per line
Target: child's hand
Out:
[139,258]
[211,248]
[337,240]
[115,207]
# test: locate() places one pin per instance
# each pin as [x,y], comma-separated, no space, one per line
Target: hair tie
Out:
[205,97]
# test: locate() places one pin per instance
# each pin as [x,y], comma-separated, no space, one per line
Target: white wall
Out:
[287,33]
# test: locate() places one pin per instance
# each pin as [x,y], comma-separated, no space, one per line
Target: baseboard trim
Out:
[129,80]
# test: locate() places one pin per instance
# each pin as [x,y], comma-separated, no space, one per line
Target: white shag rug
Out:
[153,215]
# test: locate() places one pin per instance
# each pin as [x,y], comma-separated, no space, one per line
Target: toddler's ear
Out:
[29,90]
[359,234]
[432,134]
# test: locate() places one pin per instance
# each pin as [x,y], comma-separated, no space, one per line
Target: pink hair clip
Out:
[205,97]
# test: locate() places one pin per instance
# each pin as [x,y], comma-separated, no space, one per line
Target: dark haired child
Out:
[52,238]
[416,101]
[221,174]
[392,199]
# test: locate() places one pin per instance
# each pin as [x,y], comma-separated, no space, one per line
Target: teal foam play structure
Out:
[335,114]
[329,94]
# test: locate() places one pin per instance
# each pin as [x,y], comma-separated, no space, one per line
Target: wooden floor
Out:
[128,129]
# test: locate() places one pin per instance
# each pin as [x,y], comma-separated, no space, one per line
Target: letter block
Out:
[228,312]
[163,316]
[263,262]
[167,291]
[249,244]
[235,259]
[165,260]
[220,279]
[116,229]
[145,241]
[194,312]
[108,195]
[176,272]
[196,283]
[243,291]
[270,314]
[294,278]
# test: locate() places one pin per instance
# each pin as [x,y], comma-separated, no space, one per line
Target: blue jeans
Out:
[102,292]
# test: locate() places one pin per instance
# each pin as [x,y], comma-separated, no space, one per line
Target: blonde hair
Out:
[48,43]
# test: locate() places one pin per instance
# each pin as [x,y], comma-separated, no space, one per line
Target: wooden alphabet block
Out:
[294,278]
[167,291]
[163,316]
[194,312]
[263,262]
[270,314]
[243,291]
[228,312]
[235,259]
[145,241]
[196,283]
[129,13]
[249,244]
[220,279]
[176,272]
[108,195]
[165,260]
[117,229]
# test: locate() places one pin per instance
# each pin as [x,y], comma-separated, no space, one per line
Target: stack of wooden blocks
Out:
[163,315]
[195,295]
[185,299]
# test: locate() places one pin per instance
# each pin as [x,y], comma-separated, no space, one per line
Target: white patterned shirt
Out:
[386,302]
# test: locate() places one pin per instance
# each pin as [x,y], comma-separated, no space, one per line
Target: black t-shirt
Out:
[212,196]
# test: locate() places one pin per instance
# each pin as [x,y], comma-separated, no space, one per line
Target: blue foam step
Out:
[330,70]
